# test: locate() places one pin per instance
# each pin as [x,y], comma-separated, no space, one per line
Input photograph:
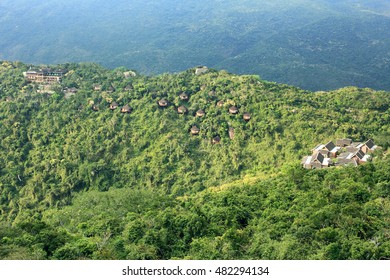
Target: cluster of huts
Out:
[195,130]
[182,109]
[344,152]
[49,76]
[113,106]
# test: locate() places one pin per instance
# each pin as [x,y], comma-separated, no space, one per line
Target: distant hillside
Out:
[79,179]
[316,45]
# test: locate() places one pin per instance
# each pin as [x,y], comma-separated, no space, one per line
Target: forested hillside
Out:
[312,44]
[81,181]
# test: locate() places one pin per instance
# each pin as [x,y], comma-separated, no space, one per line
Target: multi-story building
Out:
[46,75]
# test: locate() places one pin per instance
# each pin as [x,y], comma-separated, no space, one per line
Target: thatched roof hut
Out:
[95,107]
[195,130]
[220,103]
[110,89]
[113,105]
[71,90]
[216,140]
[97,87]
[246,116]
[129,87]
[129,74]
[163,103]
[212,93]
[183,96]
[126,109]
[233,110]
[200,113]
[182,110]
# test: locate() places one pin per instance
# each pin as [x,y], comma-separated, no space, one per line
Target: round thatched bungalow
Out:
[129,87]
[220,103]
[182,110]
[212,93]
[233,110]
[216,140]
[246,116]
[195,130]
[126,109]
[183,96]
[200,113]
[163,103]
[97,87]
[95,107]
[113,105]
[110,89]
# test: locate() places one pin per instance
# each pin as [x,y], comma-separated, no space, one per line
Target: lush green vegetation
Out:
[82,184]
[315,45]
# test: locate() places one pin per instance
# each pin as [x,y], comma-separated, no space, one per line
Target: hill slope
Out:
[104,184]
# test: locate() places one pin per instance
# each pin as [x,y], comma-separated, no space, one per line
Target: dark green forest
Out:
[311,44]
[78,183]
